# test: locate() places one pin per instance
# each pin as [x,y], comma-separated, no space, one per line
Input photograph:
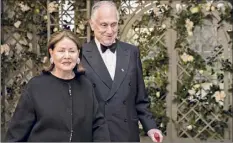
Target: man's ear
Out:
[91,24]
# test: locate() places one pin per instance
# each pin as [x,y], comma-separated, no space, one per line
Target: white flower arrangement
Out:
[200,91]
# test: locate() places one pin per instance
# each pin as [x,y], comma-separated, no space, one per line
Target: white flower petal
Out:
[29,35]
[178,7]
[19,48]
[55,29]
[189,127]
[221,86]
[206,85]
[17,24]
[23,41]
[191,92]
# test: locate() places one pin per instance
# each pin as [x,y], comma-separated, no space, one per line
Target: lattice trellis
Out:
[135,12]
[211,36]
[70,14]
[136,31]
[24,40]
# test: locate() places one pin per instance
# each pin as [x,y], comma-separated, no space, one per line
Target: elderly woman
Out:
[59,105]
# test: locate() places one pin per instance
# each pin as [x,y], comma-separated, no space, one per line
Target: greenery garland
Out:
[201,95]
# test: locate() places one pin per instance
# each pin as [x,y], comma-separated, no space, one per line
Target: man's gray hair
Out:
[98,4]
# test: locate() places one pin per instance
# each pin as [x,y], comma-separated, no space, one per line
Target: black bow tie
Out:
[112,48]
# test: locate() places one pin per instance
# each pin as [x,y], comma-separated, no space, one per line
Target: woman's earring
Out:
[78,60]
[51,60]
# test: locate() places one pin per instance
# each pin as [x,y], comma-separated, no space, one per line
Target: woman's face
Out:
[65,55]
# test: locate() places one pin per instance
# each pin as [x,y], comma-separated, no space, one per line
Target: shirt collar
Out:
[98,44]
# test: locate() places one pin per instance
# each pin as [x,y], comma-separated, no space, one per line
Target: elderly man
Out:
[115,70]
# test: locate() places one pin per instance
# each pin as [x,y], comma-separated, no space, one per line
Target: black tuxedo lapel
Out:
[96,62]
[122,63]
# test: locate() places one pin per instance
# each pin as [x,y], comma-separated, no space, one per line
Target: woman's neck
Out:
[63,74]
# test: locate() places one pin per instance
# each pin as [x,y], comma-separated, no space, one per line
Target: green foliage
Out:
[150,39]
[196,94]
[25,30]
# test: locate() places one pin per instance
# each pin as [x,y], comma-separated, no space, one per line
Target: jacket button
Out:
[93,85]
[125,120]
[124,102]
[106,103]
[129,83]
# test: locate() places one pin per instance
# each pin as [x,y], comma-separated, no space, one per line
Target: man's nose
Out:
[109,29]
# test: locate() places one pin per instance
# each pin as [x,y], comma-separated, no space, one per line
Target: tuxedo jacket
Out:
[123,100]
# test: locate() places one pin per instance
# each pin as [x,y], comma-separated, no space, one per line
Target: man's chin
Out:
[109,43]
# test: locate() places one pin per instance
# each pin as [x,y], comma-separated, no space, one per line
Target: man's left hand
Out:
[151,133]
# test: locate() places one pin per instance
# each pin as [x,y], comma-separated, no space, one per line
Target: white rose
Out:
[157,94]
[52,7]
[221,86]
[189,127]
[190,58]
[190,33]
[161,125]
[164,26]
[81,26]
[221,6]
[208,6]
[44,59]
[196,86]
[29,35]
[219,96]
[194,10]
[191,92]
[201,71]
[212,8]
[45,17]
[78,30]
[5,49]
[24,7]
[55,29]
[206,85]
[179,7]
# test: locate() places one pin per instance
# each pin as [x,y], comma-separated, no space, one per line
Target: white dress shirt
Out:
[109,59]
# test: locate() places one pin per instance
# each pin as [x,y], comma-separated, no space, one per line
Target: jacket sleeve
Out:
[100,127]
[142,100]
[22,121]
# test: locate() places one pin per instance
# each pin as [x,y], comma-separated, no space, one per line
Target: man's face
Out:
[105,25]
